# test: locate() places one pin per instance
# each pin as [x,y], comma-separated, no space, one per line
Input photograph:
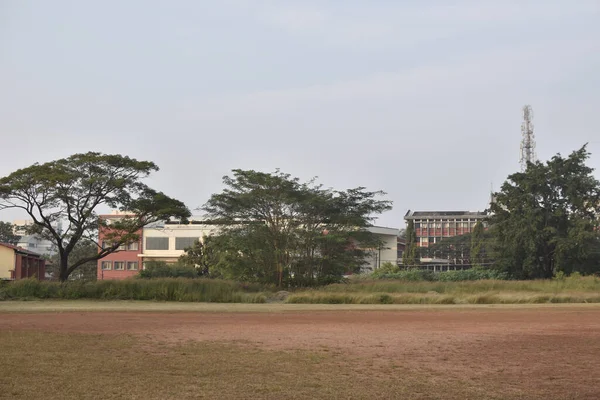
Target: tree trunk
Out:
[64,269]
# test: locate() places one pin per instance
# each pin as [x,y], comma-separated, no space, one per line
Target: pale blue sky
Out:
[421,99]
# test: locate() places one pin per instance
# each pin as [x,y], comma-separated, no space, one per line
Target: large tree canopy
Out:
[70,190]
[279,228]
[6,233]
[545,219]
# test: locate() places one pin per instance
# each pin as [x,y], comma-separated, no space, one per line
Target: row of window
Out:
[120,265]
[438,225]
[130,246]
[162,243]
[157,243]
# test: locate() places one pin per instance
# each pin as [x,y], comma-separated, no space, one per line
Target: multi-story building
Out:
[433,226]
[33,243]
[167,242]
[123,263]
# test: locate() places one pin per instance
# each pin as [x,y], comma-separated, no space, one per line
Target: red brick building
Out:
[433,226]
[123,263]
[18,263]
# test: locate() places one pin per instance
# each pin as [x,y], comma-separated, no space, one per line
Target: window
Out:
[119,266]
[105,244]
[431,240]
[132,246]
[446,225]
[182,243]
[121,247]
[417,225]
[438,225]
[106,265]
[424,225]
[157,243]
[423,240]
[132,266]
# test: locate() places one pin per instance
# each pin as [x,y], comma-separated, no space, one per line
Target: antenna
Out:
[528,141]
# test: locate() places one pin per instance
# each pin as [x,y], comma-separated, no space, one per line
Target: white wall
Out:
[171,232]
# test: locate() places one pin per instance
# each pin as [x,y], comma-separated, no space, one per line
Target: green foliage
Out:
[446,276]
[478,245]
[69,190]
[545,219]
[160,269]
[387,268]
[197,290]
[410,257]
[83,250]
[200,256]
[282,231]
[6,233]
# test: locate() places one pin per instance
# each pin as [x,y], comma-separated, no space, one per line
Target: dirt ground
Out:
[516,353]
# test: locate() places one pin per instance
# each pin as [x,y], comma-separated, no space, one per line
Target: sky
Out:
[421,99]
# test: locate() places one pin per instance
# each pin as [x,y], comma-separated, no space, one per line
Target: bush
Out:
[446,276]
[166,289]
[160,269]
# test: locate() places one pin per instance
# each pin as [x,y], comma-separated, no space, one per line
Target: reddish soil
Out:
[552,352]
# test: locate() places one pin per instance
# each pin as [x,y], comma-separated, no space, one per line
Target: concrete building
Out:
[123,263]
[17,263]
[388,252]
[33,242]
[167,241]
[36,244]
[433,226]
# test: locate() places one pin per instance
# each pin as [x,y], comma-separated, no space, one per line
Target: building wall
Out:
[171,233]
[125,257]
[7,262]
[28,266]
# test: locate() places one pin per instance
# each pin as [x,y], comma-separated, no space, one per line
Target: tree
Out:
[6,233]
[201,255]
[545,219]
[70,190]
[410,257]
[82,250]
[278,228]
[478,245]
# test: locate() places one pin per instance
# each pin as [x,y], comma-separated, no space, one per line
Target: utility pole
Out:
[528,140]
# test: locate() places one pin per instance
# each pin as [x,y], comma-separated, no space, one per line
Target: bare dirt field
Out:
[434,353]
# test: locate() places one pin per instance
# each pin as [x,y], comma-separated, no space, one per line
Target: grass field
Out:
[165,350]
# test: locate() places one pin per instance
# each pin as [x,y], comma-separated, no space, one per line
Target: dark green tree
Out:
[545,219]
[6,233]
[82,250]
[201,255]
[70,190]
[282,230]
[410,257]
[478,245]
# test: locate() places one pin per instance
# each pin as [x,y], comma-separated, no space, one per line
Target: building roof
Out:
[20,249]
[444,214]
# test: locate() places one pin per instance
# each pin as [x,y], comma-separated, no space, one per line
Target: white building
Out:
[167,242]
[388,252]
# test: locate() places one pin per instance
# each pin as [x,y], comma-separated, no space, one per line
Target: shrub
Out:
[160,269]
[165,289]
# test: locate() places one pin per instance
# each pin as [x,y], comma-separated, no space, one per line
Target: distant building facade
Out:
[433,226]
[30,242]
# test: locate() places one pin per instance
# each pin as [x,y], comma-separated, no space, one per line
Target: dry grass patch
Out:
[39,365]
